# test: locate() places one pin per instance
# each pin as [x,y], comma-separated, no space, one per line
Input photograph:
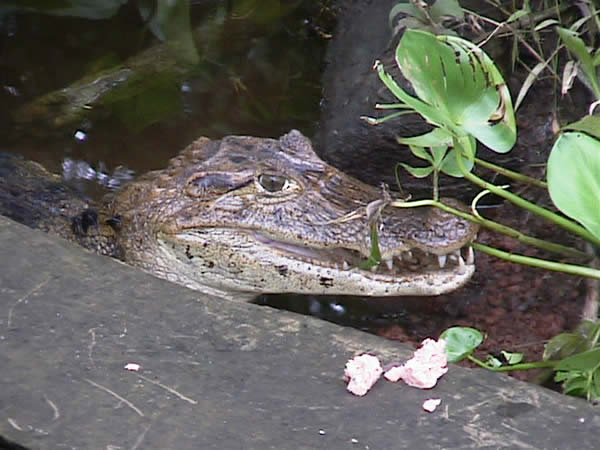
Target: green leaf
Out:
[531,77]
[433,138]
[517,15]
[512,358]
[589,125]
[450,166]
[545,23]
[583,361]
[458,86]
[573,383]
[460,342]
[437,11]
[574,178]
[577,47]
[375,256]
[405,8]
[446,8]
[431,114]
[438,154]
[421,152]
[418,172]
[492,361]
[563,345]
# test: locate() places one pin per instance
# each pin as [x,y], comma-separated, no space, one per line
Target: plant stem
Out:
[529,240]
[521,202]
[540,263]
[522,366]
[509,173]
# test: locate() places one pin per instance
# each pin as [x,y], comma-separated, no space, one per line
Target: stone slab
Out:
[223,375]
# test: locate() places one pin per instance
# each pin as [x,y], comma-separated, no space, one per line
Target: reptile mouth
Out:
[348,259]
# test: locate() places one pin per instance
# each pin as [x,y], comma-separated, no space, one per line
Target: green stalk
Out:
[511,232]
[521,202]
[373,121]
[540,263]
[511,174]
[521,366]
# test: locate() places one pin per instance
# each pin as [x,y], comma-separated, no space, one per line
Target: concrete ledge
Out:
[223,375]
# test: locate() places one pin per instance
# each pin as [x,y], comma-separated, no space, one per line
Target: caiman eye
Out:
[272,183]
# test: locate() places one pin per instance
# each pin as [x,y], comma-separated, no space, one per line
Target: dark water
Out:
[258,73]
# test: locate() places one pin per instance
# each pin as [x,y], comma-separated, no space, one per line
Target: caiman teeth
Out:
[349,260]
[470,255]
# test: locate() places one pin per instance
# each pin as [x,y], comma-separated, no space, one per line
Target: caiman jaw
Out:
[348,259]
[290,267]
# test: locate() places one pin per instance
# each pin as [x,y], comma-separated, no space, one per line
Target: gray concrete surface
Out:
[219,375]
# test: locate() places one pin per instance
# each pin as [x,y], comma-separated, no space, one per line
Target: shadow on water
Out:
[254,69]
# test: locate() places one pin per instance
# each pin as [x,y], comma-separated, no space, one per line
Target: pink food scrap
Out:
[426,366]
[431,404]
[362,372]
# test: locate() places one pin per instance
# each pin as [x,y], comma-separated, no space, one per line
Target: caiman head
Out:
[244,215]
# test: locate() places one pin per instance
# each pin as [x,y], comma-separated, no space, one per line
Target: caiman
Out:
[241,216]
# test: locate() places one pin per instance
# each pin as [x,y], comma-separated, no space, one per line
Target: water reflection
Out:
[258,74]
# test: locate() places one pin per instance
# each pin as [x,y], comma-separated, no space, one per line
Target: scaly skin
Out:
[242,216]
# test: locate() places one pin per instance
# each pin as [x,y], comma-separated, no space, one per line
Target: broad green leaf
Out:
[589,125]
[437,11]
[584,361]
[574,178]
[562,345]
[458,86]
[446,8]
[460,342]
[431,114]
[405,8]
[573,383]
